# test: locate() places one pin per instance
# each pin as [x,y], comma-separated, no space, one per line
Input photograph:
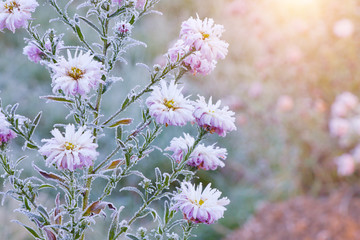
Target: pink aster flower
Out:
[200,206]
[180,146]
[207,157]
[73,150]
[204,36]
[212,118]
[195,62]
[76,75]
[16,13]
[6,134]
[203,157]
[168,106]
[177,51]
[198,64]
[123,28]
[35,54]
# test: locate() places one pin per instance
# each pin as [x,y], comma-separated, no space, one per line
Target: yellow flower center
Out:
[10,6]
[75,73]
[201,202]
[205,35]
[69,146]
[169,104]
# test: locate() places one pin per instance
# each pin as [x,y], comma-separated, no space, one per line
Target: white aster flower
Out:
[212,118]
[168,106]
[73,150]
[76,75]
[200,206]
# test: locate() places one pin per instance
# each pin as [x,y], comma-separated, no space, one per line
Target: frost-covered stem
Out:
[154,79]
[173,177]
[187,230]
[117,149]
[15,181]
[66,20]
[105,26]
[108,188]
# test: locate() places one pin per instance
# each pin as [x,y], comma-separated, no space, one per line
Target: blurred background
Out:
[287,62]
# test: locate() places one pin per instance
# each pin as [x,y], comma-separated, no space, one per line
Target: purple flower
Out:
[198,64]
[168,106]
[16,13]
[76,75]
[202,157]
[35,54]
[200,206]
[180,146]
[71,151]
[204,36]
[123,28]
[212,118]
[6,134]
[177,51]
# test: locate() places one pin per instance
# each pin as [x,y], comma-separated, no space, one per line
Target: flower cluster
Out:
[89,68]
[77,75]
[168,106]
[16,13]
[6,134]
[202,157]
[71,151]
[202,37]
[200,206]
[345,126]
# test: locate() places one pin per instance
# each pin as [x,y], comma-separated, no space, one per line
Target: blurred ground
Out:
[336,217]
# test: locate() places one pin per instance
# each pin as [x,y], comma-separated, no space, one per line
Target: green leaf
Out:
[124,121]
[58,99]
[31,231]
[132,237]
